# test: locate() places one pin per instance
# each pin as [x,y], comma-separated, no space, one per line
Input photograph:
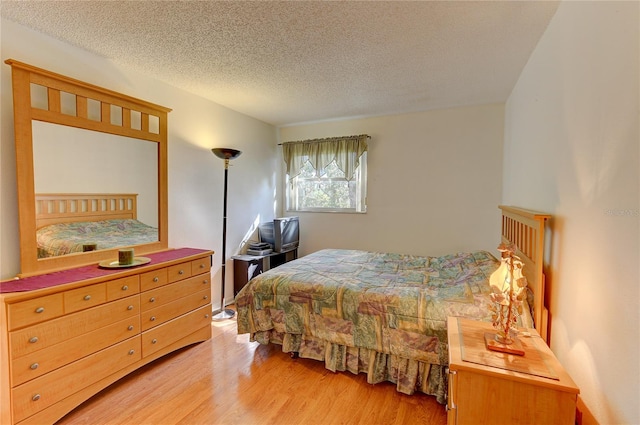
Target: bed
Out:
[385,314]
[68,223]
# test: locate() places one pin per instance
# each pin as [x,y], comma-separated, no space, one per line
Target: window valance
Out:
[346,151]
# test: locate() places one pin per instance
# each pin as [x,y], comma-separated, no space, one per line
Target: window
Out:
[327,175]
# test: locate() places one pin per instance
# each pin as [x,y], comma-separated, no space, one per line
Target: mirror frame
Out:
[23,75]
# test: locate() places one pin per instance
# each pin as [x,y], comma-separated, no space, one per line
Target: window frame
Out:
[360,177]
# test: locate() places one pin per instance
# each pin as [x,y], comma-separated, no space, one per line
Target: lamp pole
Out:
[227,155]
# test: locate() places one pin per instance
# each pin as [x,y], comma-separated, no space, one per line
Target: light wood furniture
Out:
[118,114]
[61,344]
[53,208]
[487,387]
[526,229]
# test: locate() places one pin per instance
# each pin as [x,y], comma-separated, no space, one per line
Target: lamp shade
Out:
[500,281]
[226,153]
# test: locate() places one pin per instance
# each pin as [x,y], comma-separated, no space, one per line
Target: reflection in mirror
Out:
[74,161]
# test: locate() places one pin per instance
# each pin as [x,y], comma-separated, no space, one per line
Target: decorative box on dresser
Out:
[74,332]
[489,387]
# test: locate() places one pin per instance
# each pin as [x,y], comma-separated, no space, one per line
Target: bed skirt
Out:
[408,375]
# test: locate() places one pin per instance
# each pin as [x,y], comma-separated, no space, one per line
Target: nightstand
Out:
[246,267]
[488,387]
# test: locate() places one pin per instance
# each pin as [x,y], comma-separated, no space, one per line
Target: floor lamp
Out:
[227,155]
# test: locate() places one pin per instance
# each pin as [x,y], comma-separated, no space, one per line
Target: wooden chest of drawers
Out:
[64,343]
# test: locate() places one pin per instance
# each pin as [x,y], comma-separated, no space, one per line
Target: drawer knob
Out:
[36,397]
[131,352]
[153,341]
[205,297]
[125,287]
[130,307]
[205,281]
[202,266]
[206,316]
[152,299]
[181,272]
[87,297]
[40,310]
[34,366]
[33,339]
[130,327]
[156,279]
[153,318]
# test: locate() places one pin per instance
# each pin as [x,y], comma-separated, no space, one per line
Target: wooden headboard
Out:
[52,208]
[526,229]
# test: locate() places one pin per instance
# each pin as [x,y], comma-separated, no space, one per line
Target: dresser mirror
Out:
[86,154]
[83,158]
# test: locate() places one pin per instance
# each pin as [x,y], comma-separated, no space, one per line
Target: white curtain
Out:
[346,151]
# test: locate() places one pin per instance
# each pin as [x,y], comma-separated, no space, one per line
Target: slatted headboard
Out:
[526,229]
[52,208]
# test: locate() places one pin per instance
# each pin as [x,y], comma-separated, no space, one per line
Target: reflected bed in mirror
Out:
[69,160]
[70,223]
[76,139]
[94,190]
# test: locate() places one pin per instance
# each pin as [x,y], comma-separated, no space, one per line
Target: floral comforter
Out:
[379,313]
[65,238]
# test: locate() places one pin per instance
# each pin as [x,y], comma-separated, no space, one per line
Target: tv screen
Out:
[283,234]
[286,232]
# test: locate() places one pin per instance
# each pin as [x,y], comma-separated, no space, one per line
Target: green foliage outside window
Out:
[329,191]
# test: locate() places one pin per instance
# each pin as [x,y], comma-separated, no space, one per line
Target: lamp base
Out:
[225,314]
[513,348]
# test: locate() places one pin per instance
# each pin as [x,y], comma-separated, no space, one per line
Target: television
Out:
[283,234]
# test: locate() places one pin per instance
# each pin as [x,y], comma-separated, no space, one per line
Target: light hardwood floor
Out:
[229,380]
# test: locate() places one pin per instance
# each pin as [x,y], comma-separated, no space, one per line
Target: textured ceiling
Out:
[292,62]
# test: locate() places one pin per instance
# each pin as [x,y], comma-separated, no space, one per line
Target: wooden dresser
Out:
[488,387]
[79,330]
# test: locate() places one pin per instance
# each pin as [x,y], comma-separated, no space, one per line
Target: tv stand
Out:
[246,267]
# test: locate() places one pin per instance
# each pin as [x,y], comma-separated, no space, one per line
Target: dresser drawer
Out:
[174,330]
[43,361]
[202,265]
[153,279]
[124,287]
[179,272]
[39,393]
[40,336]
[37,310]
[83,298]
[166,312]
[159,296]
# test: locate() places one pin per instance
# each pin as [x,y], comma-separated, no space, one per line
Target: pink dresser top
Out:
[88,272]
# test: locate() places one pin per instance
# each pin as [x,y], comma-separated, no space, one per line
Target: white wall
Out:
[572,150]
[195,174]
[434,183]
